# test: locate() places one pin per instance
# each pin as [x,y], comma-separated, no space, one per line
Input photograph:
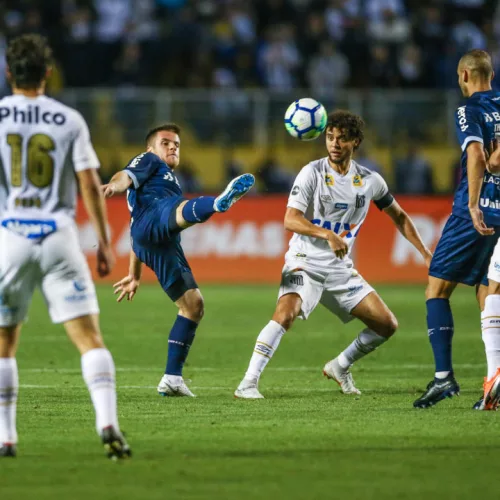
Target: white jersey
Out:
[42,144]
[333,201]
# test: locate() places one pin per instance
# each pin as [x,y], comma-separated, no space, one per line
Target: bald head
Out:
[478,64]
[475,72]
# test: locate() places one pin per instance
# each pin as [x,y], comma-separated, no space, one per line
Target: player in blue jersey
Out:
[159,213]
[469,237]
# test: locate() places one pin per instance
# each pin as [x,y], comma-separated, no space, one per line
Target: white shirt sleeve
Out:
[303,189]
[84,155]
[380,188]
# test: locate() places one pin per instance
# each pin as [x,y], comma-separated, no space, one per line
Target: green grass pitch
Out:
[304,441]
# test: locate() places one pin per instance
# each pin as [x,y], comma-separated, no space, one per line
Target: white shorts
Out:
[494,267]
[340,290]
[56,264]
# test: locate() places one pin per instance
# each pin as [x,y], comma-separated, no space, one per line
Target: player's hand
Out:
[126,287]
[338,245]
[108,190]
[478,221]
[105,260]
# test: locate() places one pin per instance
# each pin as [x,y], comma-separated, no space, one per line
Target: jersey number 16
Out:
[40,165]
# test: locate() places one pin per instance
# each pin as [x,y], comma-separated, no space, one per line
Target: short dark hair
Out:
[28,58]
[169,127]
[352,125]
[478,62]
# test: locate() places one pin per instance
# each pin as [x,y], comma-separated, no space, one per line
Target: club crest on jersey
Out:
[357,181]
[329,181]
[360,201]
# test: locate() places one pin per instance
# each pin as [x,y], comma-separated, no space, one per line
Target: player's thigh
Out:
[67,284]
[462,255]
[344,290]
[84,332]
[375,314]
[299,294]
[19,274]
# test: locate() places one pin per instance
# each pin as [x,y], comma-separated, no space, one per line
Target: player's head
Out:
[164,141]
[29,60]
[475,72]
[344,134]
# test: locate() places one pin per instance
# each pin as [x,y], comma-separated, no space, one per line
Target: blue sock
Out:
[199,209]
[440,329]
[179,341]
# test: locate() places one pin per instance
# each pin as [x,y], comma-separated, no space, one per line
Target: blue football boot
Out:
[437,390]
[236,189]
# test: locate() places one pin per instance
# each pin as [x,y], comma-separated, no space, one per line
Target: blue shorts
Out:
[462,255]
[156,224]
[157,243]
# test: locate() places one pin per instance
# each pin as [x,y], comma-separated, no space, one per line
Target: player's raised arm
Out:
[408,229]
[119,183]
[90,188]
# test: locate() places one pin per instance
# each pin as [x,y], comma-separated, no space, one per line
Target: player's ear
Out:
[492,75]
[466,75]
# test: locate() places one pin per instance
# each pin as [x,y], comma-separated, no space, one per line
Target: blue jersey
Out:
[479,121]
[152,180]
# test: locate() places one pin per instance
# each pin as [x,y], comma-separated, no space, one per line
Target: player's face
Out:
[167,146]
[340,147]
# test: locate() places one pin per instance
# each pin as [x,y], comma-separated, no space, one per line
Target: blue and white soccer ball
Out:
[305,119]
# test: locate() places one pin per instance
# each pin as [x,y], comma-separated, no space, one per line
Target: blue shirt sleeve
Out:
[141,168]
[469,126]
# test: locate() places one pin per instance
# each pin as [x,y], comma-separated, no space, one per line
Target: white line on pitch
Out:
[365,367]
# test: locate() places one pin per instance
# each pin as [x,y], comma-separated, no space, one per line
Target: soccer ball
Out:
[305,119]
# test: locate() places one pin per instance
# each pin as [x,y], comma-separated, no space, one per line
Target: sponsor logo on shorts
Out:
[360,201]
[325,197]
[341,206]
[353,290]
[496,266]
[300,256]
[295,190]
[329,180]
[31,229]
[80,295]
[297,280]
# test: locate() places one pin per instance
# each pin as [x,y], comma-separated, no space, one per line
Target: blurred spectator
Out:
[391,28]
[383,72]
[467,36]
[279,59]
[364,159]
[328,71]
[411,67]
[274,178]
[187,178]
[413,173]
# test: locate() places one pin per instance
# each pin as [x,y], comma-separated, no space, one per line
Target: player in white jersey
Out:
[45,148]
[327,206]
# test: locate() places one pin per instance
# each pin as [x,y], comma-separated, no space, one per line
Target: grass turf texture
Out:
[306,440]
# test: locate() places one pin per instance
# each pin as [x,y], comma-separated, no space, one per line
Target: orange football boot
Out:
[492,391]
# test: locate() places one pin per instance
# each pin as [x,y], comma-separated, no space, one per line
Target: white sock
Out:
[9,387]
[267,342]
[490,326]
[98,371]
[365,343]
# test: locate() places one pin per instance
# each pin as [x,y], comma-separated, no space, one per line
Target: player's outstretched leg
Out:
[98,370]
[381,325]
[235,190]
[9,386]
[440,329]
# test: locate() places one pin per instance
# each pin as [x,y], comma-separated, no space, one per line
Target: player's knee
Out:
[196,309]
[389,327]
[285,317]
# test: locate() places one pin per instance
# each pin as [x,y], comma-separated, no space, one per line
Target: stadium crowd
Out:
[277,44]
